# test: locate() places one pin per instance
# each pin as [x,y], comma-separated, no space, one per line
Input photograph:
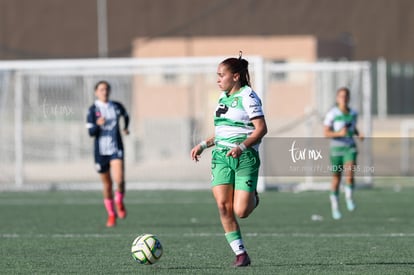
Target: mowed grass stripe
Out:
[208,235]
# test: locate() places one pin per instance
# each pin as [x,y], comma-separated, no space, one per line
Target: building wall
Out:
[289,48]
[68,29]
[280,49]
[190,103]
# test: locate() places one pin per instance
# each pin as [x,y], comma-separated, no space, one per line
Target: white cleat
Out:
[336,215]
[350,205]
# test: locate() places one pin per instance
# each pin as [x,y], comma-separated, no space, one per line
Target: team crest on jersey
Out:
[235,102]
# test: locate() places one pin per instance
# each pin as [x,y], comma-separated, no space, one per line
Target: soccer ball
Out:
[146,249]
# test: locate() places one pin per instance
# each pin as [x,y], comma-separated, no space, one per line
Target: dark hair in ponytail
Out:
[240,66]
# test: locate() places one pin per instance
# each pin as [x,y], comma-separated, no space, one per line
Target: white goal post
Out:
[406,127]
[43,108]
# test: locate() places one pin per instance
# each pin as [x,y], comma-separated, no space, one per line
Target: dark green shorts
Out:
[342,155]
[242,172]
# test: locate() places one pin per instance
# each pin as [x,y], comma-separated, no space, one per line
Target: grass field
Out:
[64,233]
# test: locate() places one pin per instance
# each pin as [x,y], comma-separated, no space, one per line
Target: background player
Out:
[340,125]
[239,127]
[103,124]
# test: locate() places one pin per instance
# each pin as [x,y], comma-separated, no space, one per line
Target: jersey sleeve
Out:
[329,118]
[253,105]
[126,117]
[354,122]
[124,113]
[355,117]
[93,128]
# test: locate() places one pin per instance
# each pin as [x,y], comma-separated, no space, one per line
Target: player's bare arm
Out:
[331,134]
[359,134]
[199,148]
[260,130]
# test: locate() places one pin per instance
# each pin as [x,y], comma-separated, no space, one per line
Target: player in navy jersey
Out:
[103,124]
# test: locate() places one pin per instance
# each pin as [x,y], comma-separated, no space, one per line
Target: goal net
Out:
[171,101]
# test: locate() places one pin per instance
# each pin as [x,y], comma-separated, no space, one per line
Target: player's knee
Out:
[242,213]
[224,208]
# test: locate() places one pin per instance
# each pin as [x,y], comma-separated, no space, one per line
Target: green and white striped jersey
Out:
[336,120]
[233,116]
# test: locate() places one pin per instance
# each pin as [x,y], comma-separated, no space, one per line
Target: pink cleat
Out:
[121,211]
[111,222]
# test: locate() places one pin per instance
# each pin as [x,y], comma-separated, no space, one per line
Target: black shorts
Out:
[102,163]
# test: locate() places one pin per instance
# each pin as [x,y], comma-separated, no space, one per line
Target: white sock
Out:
[237,246]
[334,201]
[348,192]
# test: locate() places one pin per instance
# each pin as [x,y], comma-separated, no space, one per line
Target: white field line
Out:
[209,235]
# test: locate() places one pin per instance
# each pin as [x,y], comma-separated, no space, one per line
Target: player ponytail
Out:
[240,66]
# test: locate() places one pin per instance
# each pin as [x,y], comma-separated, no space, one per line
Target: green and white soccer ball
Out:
[146,249]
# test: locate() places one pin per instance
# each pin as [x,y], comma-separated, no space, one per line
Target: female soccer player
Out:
[103,124]
[239,128]
[340,125]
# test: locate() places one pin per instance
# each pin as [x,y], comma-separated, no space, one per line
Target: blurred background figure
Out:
[103,124]
[340,125]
